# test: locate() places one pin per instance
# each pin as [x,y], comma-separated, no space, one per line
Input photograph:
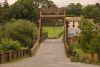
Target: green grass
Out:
[52,31]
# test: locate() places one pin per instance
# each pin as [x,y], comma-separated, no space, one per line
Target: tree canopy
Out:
[29,9]
[89,11]
[74,9]
[92,12]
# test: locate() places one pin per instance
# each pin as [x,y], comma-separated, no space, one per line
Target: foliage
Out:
[87,44]
[94,46]
[3,12]
[22,30]
[28,9]
[86,26]
[70,50]
[9,44]
[25,11]
[92,12]
[89,11]
[88,40]
[74,10]
[44,3]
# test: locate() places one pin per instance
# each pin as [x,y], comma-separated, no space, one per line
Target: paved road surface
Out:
[50,54]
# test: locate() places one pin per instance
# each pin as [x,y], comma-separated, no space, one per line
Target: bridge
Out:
[50,54]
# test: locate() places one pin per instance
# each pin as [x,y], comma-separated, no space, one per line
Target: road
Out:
[50,54]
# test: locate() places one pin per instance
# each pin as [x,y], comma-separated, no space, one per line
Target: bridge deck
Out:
[50,54]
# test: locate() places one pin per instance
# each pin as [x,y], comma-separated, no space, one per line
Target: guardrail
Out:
[11,55]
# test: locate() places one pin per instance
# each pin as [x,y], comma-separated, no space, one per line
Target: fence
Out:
[11,55]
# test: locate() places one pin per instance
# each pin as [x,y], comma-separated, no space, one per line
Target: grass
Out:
[53,32]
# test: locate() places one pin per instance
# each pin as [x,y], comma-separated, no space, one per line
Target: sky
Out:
[62,3]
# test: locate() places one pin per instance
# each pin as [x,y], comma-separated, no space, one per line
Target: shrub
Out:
[86,26]
[9,44]
[22,30]
[95,44]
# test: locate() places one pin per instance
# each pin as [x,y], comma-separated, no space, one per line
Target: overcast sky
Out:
[65,2]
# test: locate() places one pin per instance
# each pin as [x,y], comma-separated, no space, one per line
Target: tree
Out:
[5,4]
[86,26]
[49,4]
[70,9]
[28,9]
[22,9]
[78,9]
[4,12]
[92,12]
[0,5]
[97,5]
[74,10]
[0,11]
[44,3]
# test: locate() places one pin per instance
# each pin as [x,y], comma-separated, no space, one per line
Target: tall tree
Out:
[78,9]
[92,12]
[74,10]
[97,5]
[0,5]
[4,11]
[70,9]
[5,4]
[49,4]
[28,9]
[22,9]
[0,11]
[44,3]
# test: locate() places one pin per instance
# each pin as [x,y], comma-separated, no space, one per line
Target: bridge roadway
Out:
[50,54]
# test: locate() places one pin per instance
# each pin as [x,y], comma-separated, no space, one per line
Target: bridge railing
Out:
[35,48]
[88,57]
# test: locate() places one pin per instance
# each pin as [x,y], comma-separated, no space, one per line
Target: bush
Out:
[95,44]
[22,30]
[9,44]
[86,26]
